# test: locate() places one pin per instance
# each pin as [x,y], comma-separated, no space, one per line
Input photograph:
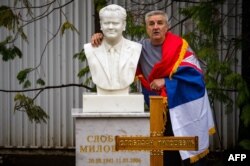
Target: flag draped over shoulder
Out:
[186,94]
[173,51]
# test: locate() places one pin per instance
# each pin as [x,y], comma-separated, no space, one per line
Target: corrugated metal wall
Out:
[58,67]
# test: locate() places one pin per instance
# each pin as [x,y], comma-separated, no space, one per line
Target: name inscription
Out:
[105,144]
[156,143]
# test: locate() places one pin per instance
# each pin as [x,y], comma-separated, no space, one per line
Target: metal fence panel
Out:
[58,67]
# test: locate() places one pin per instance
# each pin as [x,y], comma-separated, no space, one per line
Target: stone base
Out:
[95,138]
[113,103]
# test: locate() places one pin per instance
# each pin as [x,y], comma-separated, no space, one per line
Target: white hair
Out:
[113,10]
[157,12]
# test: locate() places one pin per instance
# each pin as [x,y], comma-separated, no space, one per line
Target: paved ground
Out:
[36,157]
[37,160]
[61,160]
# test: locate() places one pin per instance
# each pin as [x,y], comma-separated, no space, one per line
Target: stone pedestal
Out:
[95,138]
[113,103]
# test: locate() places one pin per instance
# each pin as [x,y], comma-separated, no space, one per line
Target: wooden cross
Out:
[156,143]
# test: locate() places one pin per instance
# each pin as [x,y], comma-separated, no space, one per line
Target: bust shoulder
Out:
[87,46]
[133,44]
[89,49]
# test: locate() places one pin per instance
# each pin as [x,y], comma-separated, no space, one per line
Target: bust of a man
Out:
[114,62]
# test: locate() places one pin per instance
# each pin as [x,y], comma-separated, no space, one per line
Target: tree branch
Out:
[34,7]
[39,18]
[48,87]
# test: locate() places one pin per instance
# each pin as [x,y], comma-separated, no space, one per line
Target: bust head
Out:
[113,74]
[113,23]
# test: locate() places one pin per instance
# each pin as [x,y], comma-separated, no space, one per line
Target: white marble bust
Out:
[113,64]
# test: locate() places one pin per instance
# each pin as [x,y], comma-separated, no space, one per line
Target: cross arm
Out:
[156,143]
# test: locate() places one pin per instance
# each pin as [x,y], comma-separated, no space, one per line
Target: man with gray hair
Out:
[168,67]
[113,64]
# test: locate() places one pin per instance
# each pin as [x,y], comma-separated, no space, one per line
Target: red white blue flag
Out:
[189,106]
[185,91]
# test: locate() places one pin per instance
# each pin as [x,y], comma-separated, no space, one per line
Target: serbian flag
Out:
[187,98]
[189,107]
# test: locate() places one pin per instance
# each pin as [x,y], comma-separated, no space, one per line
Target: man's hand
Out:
[157,84]
[96,39]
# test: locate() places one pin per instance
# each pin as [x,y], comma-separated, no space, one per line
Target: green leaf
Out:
[88,81]
[80,55]
[40,82]
[8,19]
[83,71]
[73,28]
[6,40]
[22,34]
[245,115]
[245,144]
[26,84]
[17,51]
[12,52]
[100,4]
[18,96]
[66,26]
[22,75]
[9,52]
[134,29]
[34,112]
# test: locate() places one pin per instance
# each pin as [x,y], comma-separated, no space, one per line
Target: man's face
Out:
[112,27]
[156,27]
